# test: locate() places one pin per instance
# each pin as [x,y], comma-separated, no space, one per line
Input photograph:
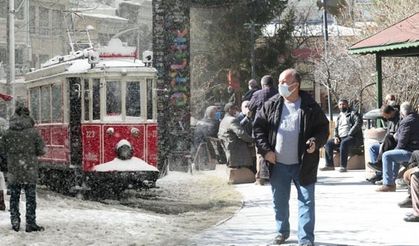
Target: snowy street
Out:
[186,204]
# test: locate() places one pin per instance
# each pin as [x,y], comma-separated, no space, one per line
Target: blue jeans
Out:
[281,178]
[345,144]
[30,194]
[374,150]
[391,164]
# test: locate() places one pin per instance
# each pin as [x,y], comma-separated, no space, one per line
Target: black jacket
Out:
[249,95]
[408,133]
[313,124]
[260,97]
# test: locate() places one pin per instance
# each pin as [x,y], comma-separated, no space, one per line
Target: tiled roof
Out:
[402,35]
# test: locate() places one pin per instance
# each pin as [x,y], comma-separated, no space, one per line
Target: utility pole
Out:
[252,49]
[11,77]
[28,47]
[326,39]
[251,26]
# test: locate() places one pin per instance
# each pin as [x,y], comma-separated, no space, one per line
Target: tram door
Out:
[75,121]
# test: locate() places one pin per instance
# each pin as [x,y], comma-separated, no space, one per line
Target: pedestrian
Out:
[253,87]
[22,144]
[3,166]
[289,130]
[258,99]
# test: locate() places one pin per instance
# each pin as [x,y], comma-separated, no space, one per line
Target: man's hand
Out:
[311,145]
[337,141]
[270,157]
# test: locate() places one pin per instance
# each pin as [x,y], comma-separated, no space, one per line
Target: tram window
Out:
[133,99]
[34,97]
[57,109]
[96,99]
[113,98]
[150,99]
[45,104]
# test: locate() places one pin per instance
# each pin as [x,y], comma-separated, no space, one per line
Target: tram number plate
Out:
[90,134]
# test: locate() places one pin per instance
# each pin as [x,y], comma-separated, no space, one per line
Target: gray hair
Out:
[405,108]
[295,74]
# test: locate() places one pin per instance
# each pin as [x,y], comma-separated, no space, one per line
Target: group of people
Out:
[399,147]
[288,128]
[20,145]
[397,156]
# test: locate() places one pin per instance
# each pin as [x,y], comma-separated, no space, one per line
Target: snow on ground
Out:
[187,205]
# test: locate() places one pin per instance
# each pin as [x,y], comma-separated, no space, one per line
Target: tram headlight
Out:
[110,131]
[135,132]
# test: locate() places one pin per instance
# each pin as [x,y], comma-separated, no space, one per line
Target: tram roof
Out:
[82,66]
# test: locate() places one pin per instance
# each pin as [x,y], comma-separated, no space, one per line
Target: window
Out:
[19,14]
[34,102]
[43,21]
[3,9]
[32,19]
[3,55]
[57,110]
[133,99]
[113,98]
[57,21]
[45,104]
[96,99]
[150,99]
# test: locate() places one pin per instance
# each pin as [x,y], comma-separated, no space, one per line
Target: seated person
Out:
[348,135]
[206,127]
[414,216]
[376,151]
[235,139]
[407,142]
[407,176]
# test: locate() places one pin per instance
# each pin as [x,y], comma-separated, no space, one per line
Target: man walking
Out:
[289,130]
[255,104]
[22,144]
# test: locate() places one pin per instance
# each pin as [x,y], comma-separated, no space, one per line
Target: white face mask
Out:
[284,90]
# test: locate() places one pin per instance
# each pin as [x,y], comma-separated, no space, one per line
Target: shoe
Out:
[261,181]
[406,203]
[411,218]
[379,182]
[34,227]
[279,239]
[386,188]
[305,244]
[401,184]
[375,166]
[16,224]
[374,179]
[342,169]
[327,168]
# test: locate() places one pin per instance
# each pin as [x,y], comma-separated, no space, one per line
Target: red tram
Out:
[88,104]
